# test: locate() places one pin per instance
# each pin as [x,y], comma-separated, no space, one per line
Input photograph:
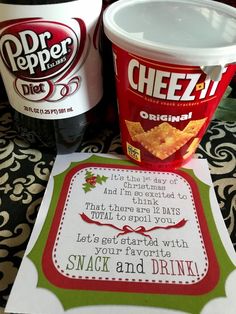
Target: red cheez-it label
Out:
[164,108]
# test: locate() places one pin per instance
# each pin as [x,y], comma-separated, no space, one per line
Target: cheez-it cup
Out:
[173,61]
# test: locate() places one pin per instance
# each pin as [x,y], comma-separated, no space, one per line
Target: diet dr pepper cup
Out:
[51,66]
[173,60]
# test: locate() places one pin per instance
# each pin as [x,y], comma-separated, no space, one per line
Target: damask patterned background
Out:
[24,172]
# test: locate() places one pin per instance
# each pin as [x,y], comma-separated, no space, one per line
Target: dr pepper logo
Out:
[39,49]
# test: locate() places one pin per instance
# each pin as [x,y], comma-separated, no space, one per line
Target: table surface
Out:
[24,172]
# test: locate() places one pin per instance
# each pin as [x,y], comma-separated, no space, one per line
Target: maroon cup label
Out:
[164,108]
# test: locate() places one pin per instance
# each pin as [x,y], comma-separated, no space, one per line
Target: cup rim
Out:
[167,52]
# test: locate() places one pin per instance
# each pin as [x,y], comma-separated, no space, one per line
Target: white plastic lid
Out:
[188,32]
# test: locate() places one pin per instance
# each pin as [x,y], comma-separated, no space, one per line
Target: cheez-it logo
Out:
[169,85]
[40,49]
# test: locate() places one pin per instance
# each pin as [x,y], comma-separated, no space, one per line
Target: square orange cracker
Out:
[134,128]
[194,126]
[164,140]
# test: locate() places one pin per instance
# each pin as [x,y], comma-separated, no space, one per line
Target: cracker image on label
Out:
[164,140]
[134,128]
[194,126]
[192,147]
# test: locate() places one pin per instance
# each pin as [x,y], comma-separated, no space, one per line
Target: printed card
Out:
[111,237]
